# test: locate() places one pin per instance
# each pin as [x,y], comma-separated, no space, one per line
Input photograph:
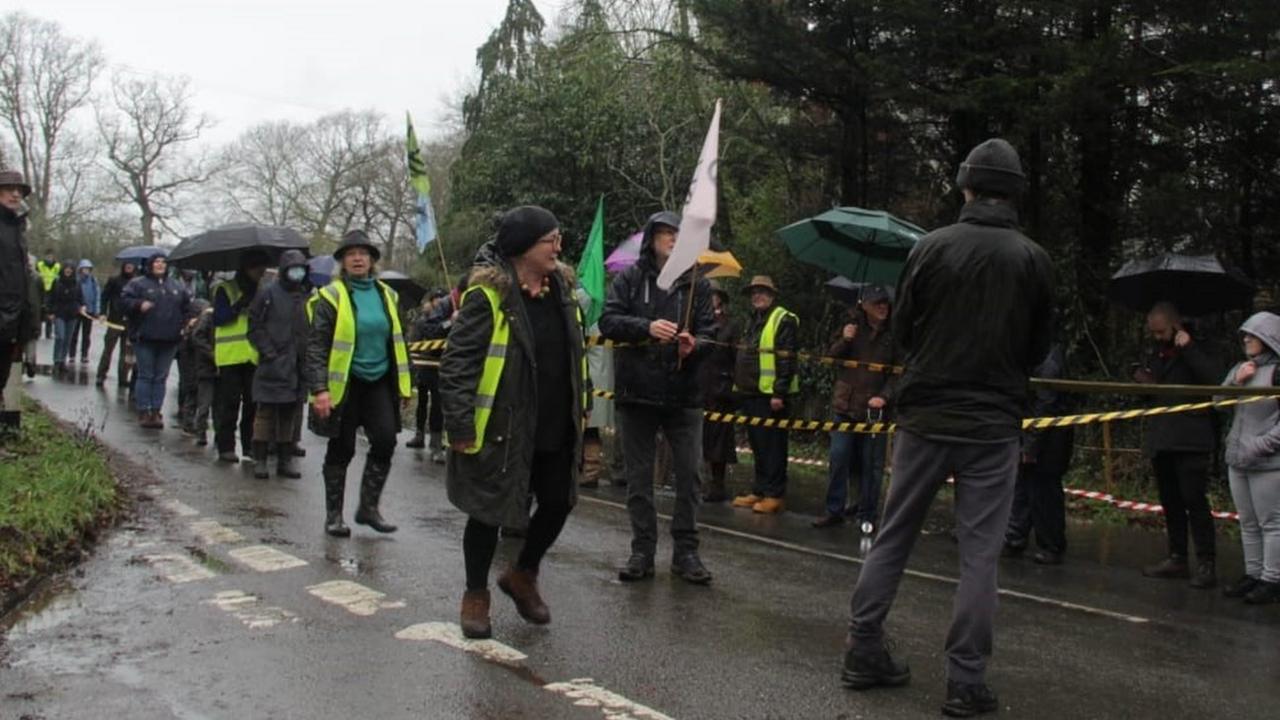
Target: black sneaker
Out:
[968,699]
[689,567]
[868,666]
[638,567]
[1266,593]
[1241,587]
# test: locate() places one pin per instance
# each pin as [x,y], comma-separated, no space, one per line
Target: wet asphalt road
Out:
[165,622]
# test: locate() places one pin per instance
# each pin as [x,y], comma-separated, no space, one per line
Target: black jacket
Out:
[14,276]
[1181,432]
[66,298]
[278,331]
[111,292]
[746,374]
[1049,403]
[652,373]
[974,316]
[717,366]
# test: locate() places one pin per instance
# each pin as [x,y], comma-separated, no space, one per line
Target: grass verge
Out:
[56,490]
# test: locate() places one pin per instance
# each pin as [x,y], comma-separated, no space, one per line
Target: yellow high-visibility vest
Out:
[343,348]
[48,273]
[768,358]
[231,344]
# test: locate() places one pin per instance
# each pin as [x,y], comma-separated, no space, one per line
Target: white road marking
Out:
[451,634]
[178,568]
[265,559]
[212,532]
[248,609]
[1064,604]
[586,693]
[356,598]
[179,508]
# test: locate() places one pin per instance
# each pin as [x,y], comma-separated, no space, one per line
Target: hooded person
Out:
[657,389]
[235,355]
[91,294]
[16,310]
[156,309]
[66,304]
[514,383]
[278,330]
[49,268]
[113,311]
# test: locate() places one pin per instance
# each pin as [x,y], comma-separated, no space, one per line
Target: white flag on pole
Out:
[699,209]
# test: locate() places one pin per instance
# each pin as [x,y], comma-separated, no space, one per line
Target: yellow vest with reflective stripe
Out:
[768,358]
[494,361]
[231,344]
[48,273]
[343,348]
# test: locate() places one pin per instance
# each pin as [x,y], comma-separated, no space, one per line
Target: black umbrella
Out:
[1196,284]
[221,248]
[850,292]
[411,293]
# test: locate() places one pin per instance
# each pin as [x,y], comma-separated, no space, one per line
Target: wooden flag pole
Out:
[688,315]
[448,279]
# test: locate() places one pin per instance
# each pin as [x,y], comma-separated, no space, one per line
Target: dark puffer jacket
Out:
[652,373]
[278,331]
[66,297]
[493,484]
[14,276]
[170,308]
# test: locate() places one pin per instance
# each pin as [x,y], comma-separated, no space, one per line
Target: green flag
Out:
[425,227]
[591,267]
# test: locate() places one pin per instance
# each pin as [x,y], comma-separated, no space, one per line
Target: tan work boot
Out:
[475,615]
[522,587]
[769,506]
[591,450]
[746,501]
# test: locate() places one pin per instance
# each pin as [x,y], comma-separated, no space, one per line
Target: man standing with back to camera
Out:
[974,316]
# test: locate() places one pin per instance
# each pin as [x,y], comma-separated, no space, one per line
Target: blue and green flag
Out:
[421,183]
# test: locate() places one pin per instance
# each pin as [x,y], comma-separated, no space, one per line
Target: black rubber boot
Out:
[260,460]
[286,465]
[375,477]
[335,482]
[418,442]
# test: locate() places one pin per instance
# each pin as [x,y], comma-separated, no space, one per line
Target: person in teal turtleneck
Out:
[357,368]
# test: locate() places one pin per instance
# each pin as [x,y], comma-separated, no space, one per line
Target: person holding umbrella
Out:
[278,331]
[157,309]
[514,382]
[357,368]
[113,311]
[235,355]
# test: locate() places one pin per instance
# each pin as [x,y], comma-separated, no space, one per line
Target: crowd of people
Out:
[507,404]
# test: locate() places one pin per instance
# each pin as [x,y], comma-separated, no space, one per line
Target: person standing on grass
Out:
[1253,463]
[15,272]
[974,315]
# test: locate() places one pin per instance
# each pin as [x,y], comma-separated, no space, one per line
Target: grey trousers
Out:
[985,475]
[1257,497]
[683,430]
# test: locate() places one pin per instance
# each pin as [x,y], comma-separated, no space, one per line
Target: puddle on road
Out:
[47,609]
[209,561]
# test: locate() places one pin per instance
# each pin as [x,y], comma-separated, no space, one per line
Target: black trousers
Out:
[769,446]
[373,406]
[80,332]
[430,414]
[551,483]
[233,399]
[109,341]
[6,361]
[1038,501]
[1183,480]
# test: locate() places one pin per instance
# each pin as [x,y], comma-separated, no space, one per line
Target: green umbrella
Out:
[862,245]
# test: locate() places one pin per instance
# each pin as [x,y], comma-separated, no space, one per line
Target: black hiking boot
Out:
[969,699]
[868,665]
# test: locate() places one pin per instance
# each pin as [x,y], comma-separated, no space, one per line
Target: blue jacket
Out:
[90,293]
[171,307]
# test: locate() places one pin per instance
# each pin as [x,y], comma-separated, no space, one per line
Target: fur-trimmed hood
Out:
[490,268]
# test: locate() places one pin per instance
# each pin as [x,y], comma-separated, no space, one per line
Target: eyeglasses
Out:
[552,239]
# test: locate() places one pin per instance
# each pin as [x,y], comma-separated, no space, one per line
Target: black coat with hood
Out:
[170,307]
[1190,432]
[14,276]
[111,292]
[652,373]
[278,331]
[492,485]
[66,298]
[974,316]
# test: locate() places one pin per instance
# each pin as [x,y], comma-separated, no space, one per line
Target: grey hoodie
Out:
[1254,440]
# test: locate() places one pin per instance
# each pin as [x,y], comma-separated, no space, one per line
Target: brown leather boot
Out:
[475,615]
[522,587]
[591,463]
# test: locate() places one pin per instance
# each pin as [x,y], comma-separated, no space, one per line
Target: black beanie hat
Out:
[993,168]
[521,227]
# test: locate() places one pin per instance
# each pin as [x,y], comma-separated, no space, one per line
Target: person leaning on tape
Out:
[974,316]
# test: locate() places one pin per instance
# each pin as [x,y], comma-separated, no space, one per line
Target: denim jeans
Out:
[62,330]
[154,360]
[863,453]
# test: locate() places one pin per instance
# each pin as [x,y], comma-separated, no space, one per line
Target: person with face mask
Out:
[113,311]
[278,331]
[235,355]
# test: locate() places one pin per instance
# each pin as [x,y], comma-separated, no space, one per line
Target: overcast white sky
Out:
[256,60]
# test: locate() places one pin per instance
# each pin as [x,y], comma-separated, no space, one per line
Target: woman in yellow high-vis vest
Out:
[514,384]
[358,373]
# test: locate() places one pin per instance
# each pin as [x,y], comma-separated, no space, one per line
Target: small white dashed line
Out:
[248,609]
[211,532]
[179,568]
[586,693]
[354,597]
[451,634]
[265,559]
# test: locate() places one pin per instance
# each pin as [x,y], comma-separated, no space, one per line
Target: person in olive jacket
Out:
[16,309]
[515,391]
[278,331]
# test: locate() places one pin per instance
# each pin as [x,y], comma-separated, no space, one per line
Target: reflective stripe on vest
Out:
[343,347]
[586,374]
[494,360]
[231,344]
[768,359]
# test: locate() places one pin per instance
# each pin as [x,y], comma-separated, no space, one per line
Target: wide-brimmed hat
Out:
[11,178]
[354,239]
[760,281]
